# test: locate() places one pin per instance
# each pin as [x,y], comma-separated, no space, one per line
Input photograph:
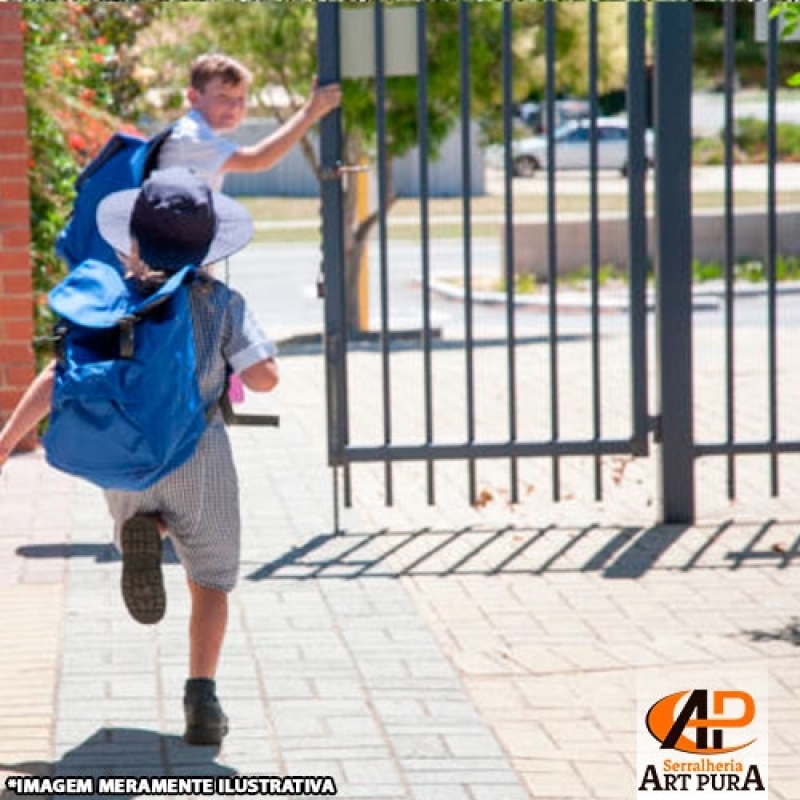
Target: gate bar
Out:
[380,133]
[424,226]
[772,245]
[552,234]
[594,245]
[333,259]
[466,198]
[637,226]
[673,115]
[729,18]
[475,450]
[508,234]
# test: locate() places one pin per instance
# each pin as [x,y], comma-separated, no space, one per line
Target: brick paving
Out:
[423,653]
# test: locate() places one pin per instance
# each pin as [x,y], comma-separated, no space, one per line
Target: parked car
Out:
[534,114]
[572,150]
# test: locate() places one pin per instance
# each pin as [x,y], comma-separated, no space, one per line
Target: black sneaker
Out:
[206,722]
[142,581]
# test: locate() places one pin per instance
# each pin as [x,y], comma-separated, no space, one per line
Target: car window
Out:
[612,134]
[578,135]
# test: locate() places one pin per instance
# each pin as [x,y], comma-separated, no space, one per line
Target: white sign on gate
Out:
[357,41]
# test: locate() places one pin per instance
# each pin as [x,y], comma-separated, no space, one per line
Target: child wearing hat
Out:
[175,219]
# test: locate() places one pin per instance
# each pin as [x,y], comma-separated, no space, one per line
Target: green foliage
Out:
[789,13]
[79,77]
[708,151]
[751,139]
[750,143]
[787,268]
[709,44]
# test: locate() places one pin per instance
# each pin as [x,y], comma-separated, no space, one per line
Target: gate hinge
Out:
[654,426]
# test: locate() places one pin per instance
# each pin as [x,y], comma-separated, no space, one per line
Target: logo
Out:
[705,741]
[670,727]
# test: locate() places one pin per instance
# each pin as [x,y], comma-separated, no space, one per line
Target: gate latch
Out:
[335,173]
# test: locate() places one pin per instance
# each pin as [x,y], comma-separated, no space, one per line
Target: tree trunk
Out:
[356,240]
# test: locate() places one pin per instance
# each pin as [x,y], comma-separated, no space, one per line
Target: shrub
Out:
[79,79]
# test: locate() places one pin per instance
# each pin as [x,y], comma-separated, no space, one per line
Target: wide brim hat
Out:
[154,214]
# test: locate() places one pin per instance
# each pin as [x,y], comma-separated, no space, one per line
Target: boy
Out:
[218,95]
[175,219]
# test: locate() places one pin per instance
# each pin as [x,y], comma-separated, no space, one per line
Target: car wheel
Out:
[525,166]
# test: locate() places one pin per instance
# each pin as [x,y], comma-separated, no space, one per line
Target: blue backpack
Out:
[126,407]
[124,163]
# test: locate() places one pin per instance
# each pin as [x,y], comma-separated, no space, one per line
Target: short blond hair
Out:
[209,66]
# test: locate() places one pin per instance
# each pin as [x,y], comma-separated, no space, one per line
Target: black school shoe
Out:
[206,722]
[142,581]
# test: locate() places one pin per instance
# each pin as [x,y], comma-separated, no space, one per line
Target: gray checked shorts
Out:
[199,502]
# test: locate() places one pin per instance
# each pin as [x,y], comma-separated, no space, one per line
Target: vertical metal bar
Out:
[424,223]
[673,115]
[594,247]
[508,233]
[772,245]
[729,21]
[333,255]
[383,166]
[466,204]
[348,486]
[552,233]
[637,221]
[336,518]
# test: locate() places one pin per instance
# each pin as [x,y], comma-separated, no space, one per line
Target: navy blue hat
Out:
[176,220]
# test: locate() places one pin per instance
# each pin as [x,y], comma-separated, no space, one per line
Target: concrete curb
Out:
[708,298]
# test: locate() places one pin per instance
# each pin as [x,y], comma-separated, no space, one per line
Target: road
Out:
[280,283]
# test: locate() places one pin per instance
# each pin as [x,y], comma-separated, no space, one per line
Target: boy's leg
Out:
[206,722]
[207,624]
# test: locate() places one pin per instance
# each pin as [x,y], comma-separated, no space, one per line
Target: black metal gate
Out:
[487,411]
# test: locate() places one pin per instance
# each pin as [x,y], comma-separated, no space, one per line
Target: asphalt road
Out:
[280,284]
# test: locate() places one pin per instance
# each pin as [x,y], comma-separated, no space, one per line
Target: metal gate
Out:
[487,411]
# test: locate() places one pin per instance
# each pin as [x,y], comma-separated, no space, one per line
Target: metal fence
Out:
[464,403]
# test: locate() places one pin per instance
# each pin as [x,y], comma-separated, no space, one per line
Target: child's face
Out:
[222,104]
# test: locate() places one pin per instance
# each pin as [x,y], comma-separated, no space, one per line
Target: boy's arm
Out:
[273,148]
[262,376]
[30,411]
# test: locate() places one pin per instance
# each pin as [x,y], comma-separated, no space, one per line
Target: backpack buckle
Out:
[127,338]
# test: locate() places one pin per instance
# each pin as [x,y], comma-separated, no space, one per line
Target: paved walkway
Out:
[449,653]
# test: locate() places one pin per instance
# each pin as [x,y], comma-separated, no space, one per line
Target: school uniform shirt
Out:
[194,145]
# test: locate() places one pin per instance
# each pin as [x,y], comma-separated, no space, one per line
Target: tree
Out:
[278,42]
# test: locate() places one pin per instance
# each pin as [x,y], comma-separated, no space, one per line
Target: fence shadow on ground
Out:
[621,553]
[789,633]
[129,752]
[100,553]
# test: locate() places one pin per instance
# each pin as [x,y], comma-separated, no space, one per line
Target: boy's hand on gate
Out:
[323,98]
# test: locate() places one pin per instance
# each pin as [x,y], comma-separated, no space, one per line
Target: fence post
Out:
[673,257]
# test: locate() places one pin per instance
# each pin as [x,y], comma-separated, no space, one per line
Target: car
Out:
[572,150]
[534,115]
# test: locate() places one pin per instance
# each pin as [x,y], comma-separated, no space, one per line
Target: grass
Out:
[403,221]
